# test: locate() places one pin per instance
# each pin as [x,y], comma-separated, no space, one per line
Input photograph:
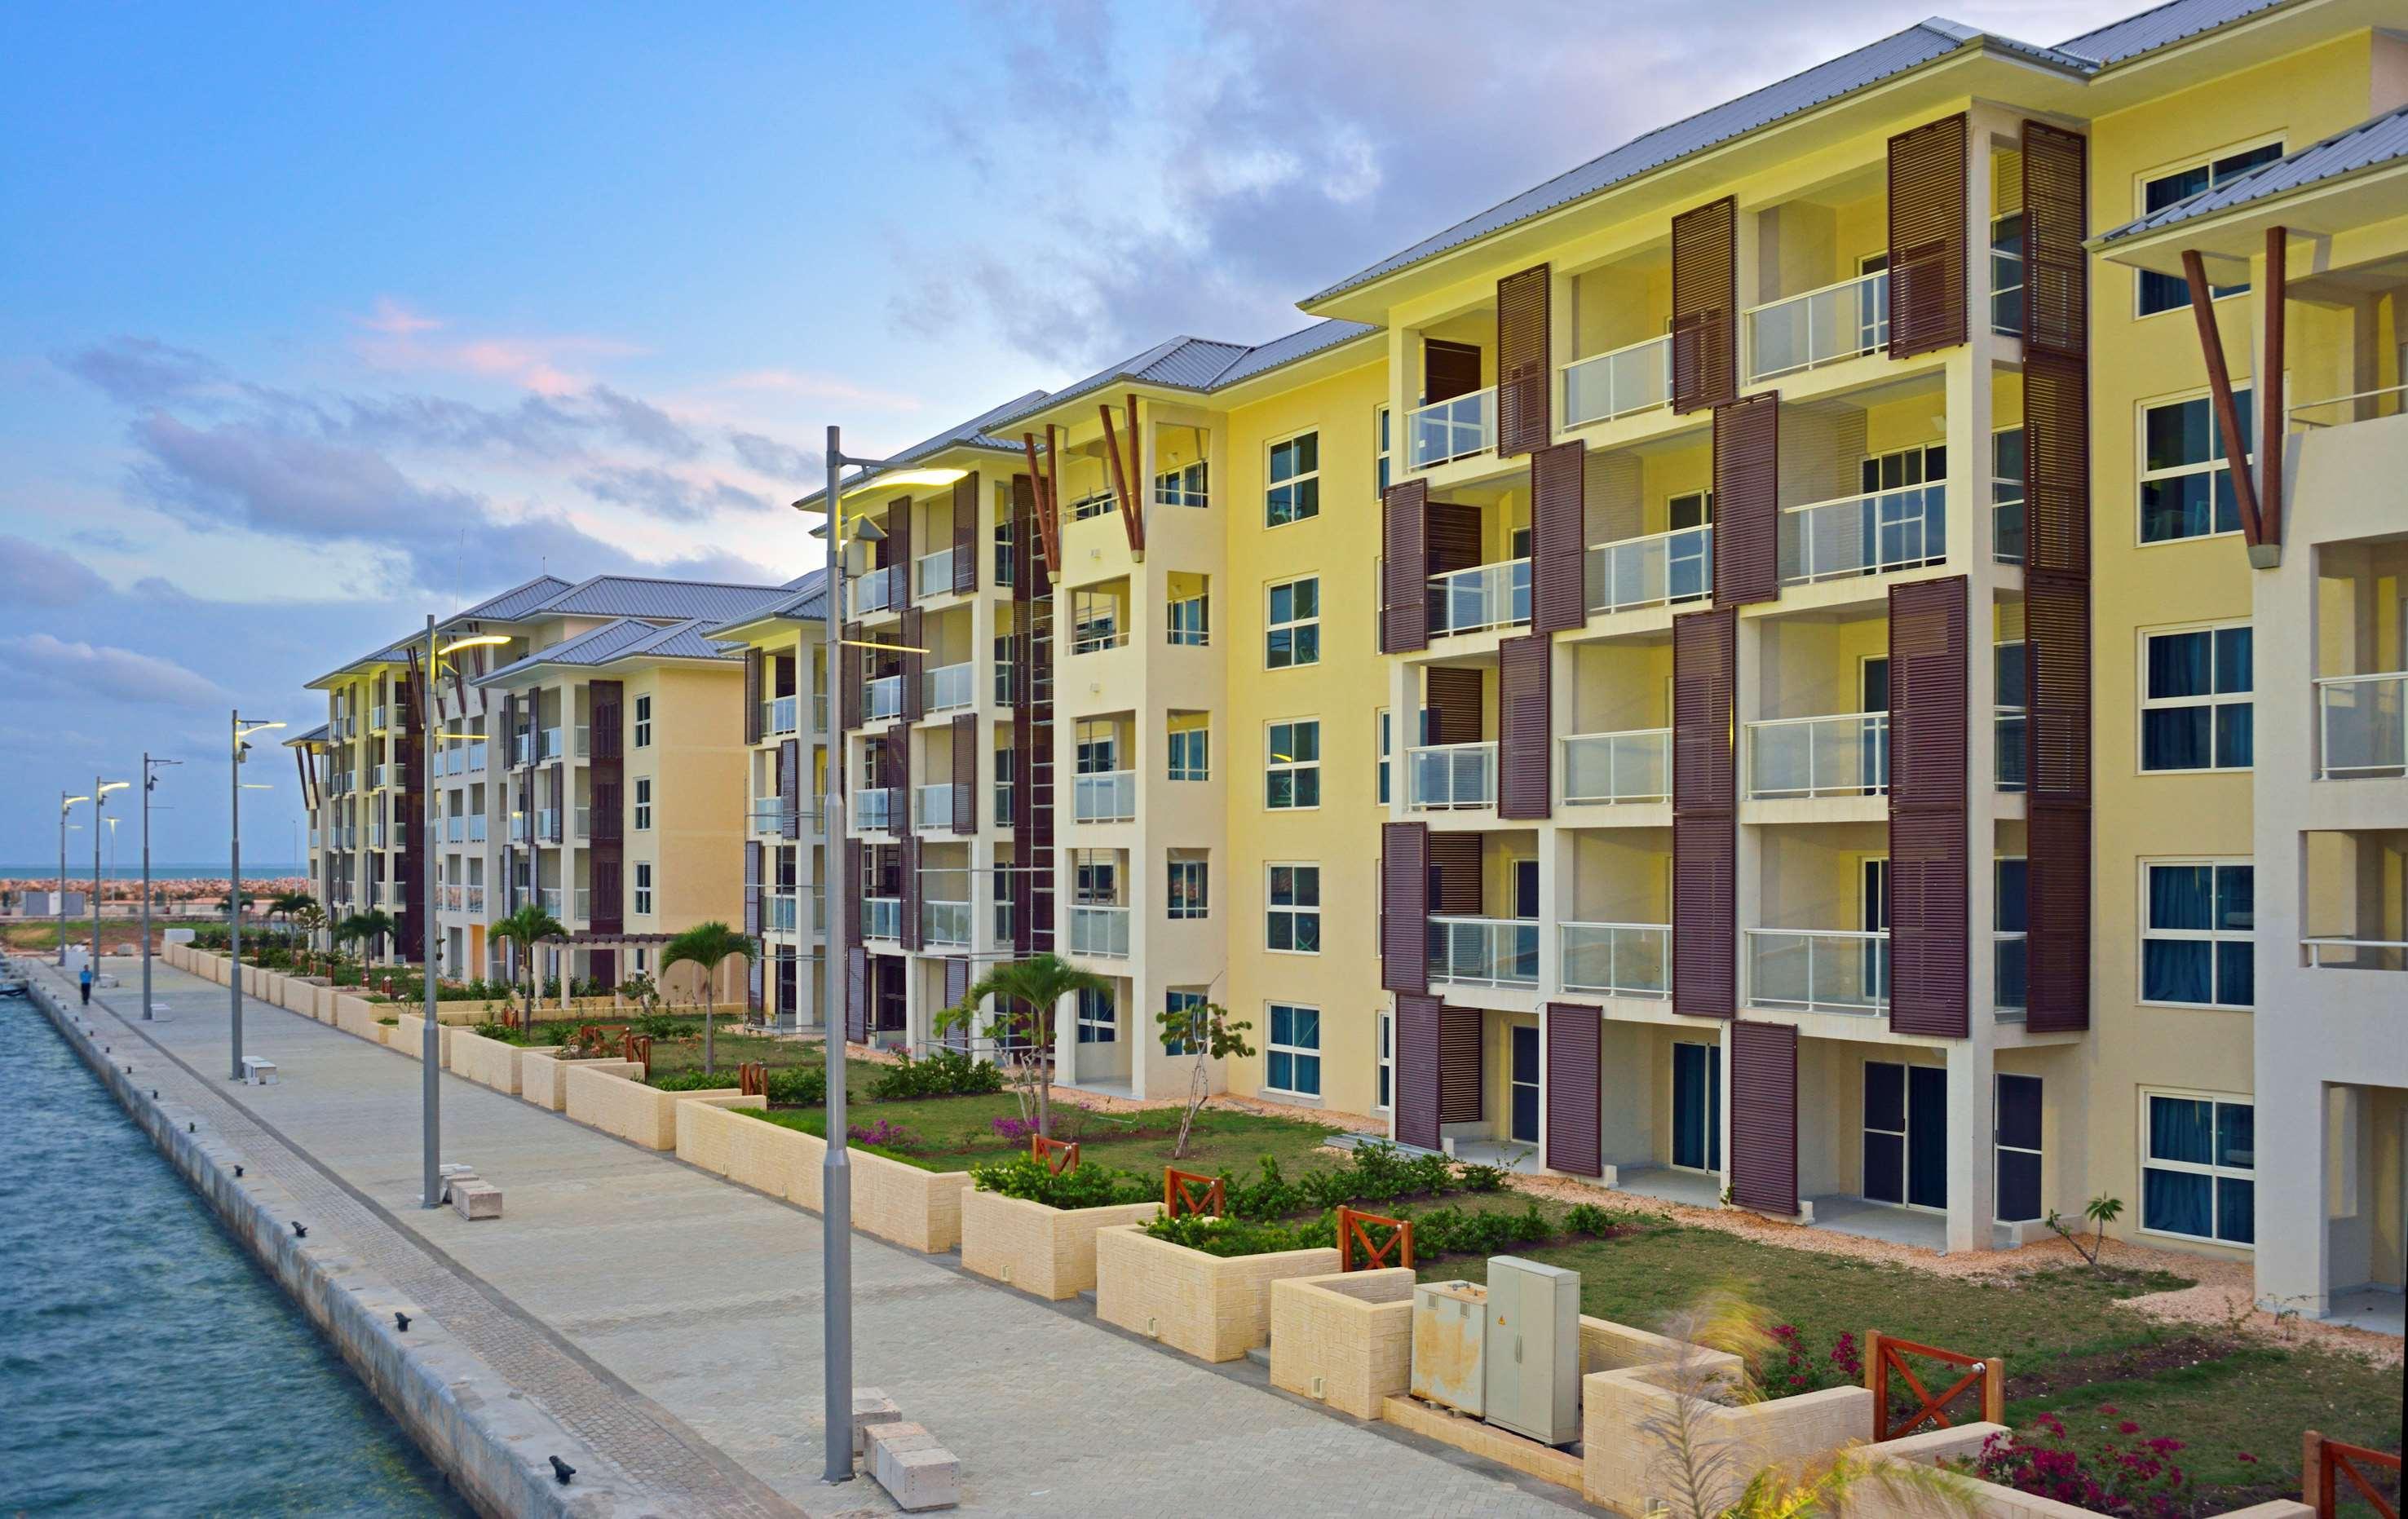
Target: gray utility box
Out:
[1533,1359]
[1450,1335]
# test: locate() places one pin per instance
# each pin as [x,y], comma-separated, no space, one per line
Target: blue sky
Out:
[318,319]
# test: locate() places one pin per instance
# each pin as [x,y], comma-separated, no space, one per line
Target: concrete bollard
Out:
[916,1471]
[474,1200]
[871,1405]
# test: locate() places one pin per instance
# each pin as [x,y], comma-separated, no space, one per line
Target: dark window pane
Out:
[2236,734]
[2177,1202]
[1884,1095]
[1885,1168]
[2159,193]
[2236,1211]
[2172,509]
[2180,665]
[2181,1129]
[2234,659]
[2177,434]
[2236,1135]
[2236,897]
[2019,1186]
[2236,974]
[2019,1111]
[2013,877]
[2176,970]
[1308,788]
[2175,738]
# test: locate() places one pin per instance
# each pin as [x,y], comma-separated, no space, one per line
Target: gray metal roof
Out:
[633,596]
[805,600]
[970,433]
[2365,145]
[624,637]
[2162,26]
[1203,364]
[316,734]
[515,602]
[1301,344]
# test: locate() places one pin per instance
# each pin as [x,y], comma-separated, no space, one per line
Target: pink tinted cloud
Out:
[555,365]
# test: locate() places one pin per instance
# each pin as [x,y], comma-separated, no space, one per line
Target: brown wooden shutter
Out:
[1452,696]
[966,747]
[846,904]
[1458,1065]
[2056,467]
[1455,860]
[751,888]
[1404,549]
[1929,935]
[1558,537]
[2057,219]
[2058,877]
[915,664]
[1705,915]
[1414,1047]
[1404,912]
[967,501]
[1575,1104]
[856,994]
[908,864]
[1452,539]
[608,899]
[790,788]
[1764,1117]
[1927,264]
[1747,500]
[751,696]
[898,772]
[1448,371]
[1523,372]
[1705,305]
[1525,740]
[898,550]
[849,676]
[1705,682]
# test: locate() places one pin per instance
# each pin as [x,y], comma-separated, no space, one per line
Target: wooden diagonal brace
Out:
[2272,365]
[2220,387]
[1132,518]
[1049,531]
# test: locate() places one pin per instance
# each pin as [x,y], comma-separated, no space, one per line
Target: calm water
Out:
[146,1365]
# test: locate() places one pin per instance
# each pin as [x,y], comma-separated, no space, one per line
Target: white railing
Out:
[873,809]
[550,898]
[1618,959]
[1810,971]
[1483,597]
[1858,535]
[1615,767]
[873,591]
[778,716]
[2007,520]
[2362,726]
[1652,571]
[765,814]
[944,924]
[2009,954]
[2011,725]
[1819,327]
[1603,386]
[1455,428]
[1101,931]
[2327,953]
[550,748]
[778,912]
[882,917]
[1093,638]
[882,697]
[1841,755]
[1484,951]
[953,686]
[1108,797]
[476,900]
[933,573]
[1444,777]
[932,807]
[2341,410]
[547,823]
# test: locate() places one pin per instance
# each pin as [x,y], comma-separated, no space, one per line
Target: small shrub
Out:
[595,1045]
[798,1086]
[2121,1473]
[693,1079]
[1792,1368]
[1014,1130]
[390,1023]
[886,1134]
[1588,1218]
[659,1025]
[502,1033]
[1477,1178]
[943,1073]
[1082,1186]
[1267,1197]
[1241,1236]
[1451,1231]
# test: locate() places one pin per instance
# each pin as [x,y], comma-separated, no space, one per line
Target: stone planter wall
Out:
[1874,1500]
[486,1062]
[716,1135]
[543,1075]
[608,1095]
[355,1017]
[1210,1306]
[906,1205]
[407,1033]
[1625,1464]
[1050,1251]
[1346,1338]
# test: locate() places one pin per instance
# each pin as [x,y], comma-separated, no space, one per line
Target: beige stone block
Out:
[1048,1250]
[905,1205]
[474,1200]
[870,1405]
[1626,1466]
[540,1077]
[1210,1306]
[486,1062]
[916,1471]
[1345,1338]
[1507,1449]
[609,1095]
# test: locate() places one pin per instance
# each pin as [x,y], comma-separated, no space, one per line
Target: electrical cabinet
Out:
[1531,1379]
[1449,1344]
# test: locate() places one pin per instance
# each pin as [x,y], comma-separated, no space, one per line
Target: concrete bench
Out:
[916,1471]
[474,1200]
[258,1071]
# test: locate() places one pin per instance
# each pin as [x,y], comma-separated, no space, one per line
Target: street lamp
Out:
[149,782]
[836,1167]
[58,902]
[100,790]
[242,728]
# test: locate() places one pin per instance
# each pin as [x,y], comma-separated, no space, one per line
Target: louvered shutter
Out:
[1926,239]
[966,747]
[847,903]
[2057,875]
[607,915]
[1705,305]
[790,788]
[1526,742]
[1415,1056]
[849,676]
[856,994]
[2056,467]
[1575,1103]
[1705,835]
[898,781]
[1928,880]
[751,696]
[1448,370]
[1705,679]
[1558,537]
[1764,1117]
[2057,219]
[1454,865]
[1747,500]
[1459,1084]
[966,533]
[751,889]
[908,858]
[1404,910]
[1452,697]
[915,698]
[1452,539]
[1523,374]
[1404,549]
[898,550]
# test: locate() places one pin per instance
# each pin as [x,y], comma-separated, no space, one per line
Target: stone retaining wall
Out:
[1208,1305]
[717,1135]
[1874,1501]
[1346,1338]
[906,1205]
[610,1095]
[486,1062]
[1625,1465]
[1050,1251]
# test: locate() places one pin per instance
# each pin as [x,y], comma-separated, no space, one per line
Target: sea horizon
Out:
[168,872]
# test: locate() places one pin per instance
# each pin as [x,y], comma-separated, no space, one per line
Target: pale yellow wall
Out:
[696,761]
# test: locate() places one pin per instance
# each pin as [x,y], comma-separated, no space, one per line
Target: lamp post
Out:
[99,802]
[430,1057]
[149,779]
[233,880]
[59,897]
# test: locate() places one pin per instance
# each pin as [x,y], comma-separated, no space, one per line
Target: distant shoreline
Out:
[41,876]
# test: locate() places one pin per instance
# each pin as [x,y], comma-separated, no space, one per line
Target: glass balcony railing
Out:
[1108,797]
[881,698]
[764,815]
[1484,951]
[2362,726]
[872,592]
[2008,954]
[951,688]
[1101,931]
[819,711]
[1604,386]
[581,905]
[882,917]
[1445,777]
[549,899]
[932,574]
[2012,726]
[778,717]
[451,898]
[1863,534]
[547,825]
[1455,428]
[944,924]
[1821,326]
[1618,959]
[1808,971]
[778,914]
[873,809]
[1661,570]
[455,830]
[584,822]
[549,745]
[1481,597]
[1844,755]
[476,756]
[932,807]
[1618,767]
[520,829]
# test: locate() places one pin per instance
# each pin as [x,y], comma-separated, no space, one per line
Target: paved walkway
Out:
[671,1318]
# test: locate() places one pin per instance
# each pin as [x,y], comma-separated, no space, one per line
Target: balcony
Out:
[519,831]
[1822,327]
[932,574]
[764,815]
[377,718]
[874,808]
[1457,429]
[1618,769]
[1604,386]
[1108,798]
[873,591]
[549,899]
[523,749]
[549,745]
[951,688]
[778,717]
[944,924]
[477,757]
[1484,951]
[881,698]
[1797,757]
[476,900]
[1863,534]
[882,917]
[547,825]
[777,913]
[581,905]
[1481,597]
[453,898]
[1098,635]
[1657,570]
[933,806]
[1618,959]
[2326,954]
[2012,725]
[584,822]
[1102,931]
[1448,776]
[455,829]
[376,835]
[376,775]
[2009,956]
[1003,803]
[1803,971]
[2362,726]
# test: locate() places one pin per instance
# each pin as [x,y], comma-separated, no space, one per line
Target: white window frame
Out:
[1384,740]
[642,736]
[1294,626]
[2212,700]
[1291,768]
[640,803]
[1200,892]
[1293,911]
[640,888]
[1196,765]
[2209,935]
[2187,1168]
[1295,481]
[1296,1053]
[2141,474]
[1187,1000]
[1383,451]
[1083,1020]
[1171,487]
[2140,182]
[1178,632]
[1384,1089]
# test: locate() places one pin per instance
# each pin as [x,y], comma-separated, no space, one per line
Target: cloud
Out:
[34,575]
[395,320]
[82,670]
[780,461]
[142,371]
[660,493]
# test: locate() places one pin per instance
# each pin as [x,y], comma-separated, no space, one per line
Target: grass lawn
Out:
[955,1133]
[2065,1350]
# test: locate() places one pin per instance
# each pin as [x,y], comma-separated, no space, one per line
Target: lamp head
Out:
[65,802]
[480,640]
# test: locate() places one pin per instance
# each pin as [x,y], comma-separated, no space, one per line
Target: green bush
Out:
[943,1073]
[693,1079]
[1451,1231]
[505,1033]
[1082,1187]
[1477,1178]
[1242,1236]
[798,1086]
[658,1026]
[1588,1218]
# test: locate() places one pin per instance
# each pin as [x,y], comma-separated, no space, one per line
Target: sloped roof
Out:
[1204,364]
[624,637]
[2366,146]
[2160,26]
[515,602]
[804,600]
[971,434]
[633,596]
[315,735]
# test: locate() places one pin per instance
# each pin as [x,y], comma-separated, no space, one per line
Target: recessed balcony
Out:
[872,591]
[1480,598]
[1618,769]
[1618,959]
[1656,571]
[2362,726]
[944,924]
[777,913]
[1863,534]
[935,807]
[1484,951]
[874,808]
[779,716]
[881,698]
[1803,758]
[1107,797]
[882,918]
[951,688]
[1620,383]
[932,574]
[1099,930]
[1455,428]
[1809,970]
[1451,777]
[1844,320]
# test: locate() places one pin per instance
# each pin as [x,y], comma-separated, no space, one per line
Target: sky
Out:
[315,320]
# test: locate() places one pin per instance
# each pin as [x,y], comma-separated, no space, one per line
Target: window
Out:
[1191,753]
[643,734]
[1095,621]
[644,818]
[2196,708]
[1091,505]
[1188,889]
[643,894]
[2185,485]
[2200,1178]
[1387,1027]
[1292,766]
[1099,1020]
[1388,740]
[1094,878]
[2197,939]
[1382,461]
[1180,487]
[2017,1125]
[1294,492]
[1003,670]
[1292,921]
[1007,552]
[1191,621]
[1292,1058]
[1294,634]
[2163,292]
[1099,747]
[1187,1009]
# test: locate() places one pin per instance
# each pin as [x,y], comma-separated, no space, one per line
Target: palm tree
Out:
[288,905]
[526,928]
[1025,994]
[310,919]
[370,928]
[706,944]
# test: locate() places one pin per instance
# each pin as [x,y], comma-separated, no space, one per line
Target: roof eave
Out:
[2327,207]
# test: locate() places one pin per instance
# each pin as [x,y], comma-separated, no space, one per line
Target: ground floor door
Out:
[2018,1140]
[1697,1107]
[1906,1134]
[1524,1119]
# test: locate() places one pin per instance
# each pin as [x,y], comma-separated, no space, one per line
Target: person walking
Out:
[84,984]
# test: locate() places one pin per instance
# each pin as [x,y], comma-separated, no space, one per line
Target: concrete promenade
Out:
[669,1319]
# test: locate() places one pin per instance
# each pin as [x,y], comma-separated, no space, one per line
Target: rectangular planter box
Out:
[357,1017]
[716,1135]
[906,1205]
[605,1094]
[486,1062]
[1871,1500]
[1625,1464]
[543,1075]
[408,1034]
[1210,1306]
[1048,1250]
[1346,1338]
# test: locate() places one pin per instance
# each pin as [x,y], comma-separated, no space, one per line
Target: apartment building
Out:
[366,797]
